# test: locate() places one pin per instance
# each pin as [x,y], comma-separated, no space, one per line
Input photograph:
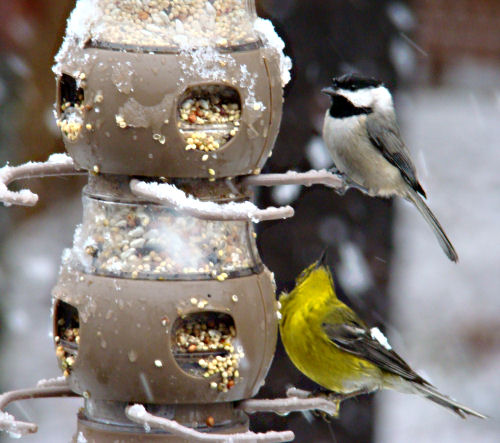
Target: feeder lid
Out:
[165,25]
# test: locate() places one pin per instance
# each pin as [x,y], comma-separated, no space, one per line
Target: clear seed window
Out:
[66,335]
[209,117]
[203,345]
[173,24]
[155,242]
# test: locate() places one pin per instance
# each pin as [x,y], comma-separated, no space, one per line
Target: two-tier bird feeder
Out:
[171,107]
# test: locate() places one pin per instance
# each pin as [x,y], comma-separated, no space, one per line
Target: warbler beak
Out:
[322,261]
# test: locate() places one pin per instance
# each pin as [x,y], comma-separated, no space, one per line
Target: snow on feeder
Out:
[192,83]
[163,299]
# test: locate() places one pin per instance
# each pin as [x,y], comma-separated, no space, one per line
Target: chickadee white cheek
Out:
[381,97]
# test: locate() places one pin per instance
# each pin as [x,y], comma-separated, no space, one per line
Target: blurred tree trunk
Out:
[325,39]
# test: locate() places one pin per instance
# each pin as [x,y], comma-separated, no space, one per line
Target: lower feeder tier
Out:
[109,425]
[164,342]
[163,309]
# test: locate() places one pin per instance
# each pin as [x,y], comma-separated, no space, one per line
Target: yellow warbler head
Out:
[315,283]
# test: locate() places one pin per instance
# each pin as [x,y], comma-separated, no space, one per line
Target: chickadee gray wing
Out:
[384,135]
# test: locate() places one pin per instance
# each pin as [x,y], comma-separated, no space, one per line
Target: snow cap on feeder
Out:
[170,88]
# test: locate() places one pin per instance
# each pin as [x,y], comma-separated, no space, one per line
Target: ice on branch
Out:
[57,164]
[138,414]
[171,196]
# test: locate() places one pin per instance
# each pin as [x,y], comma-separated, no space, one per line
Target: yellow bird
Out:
[331,345]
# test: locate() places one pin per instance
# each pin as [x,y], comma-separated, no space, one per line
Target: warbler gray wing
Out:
[384,134]
[357,340]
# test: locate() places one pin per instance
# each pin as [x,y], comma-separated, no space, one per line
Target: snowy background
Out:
[446,317]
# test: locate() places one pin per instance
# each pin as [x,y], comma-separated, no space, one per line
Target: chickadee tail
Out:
[443,400]
[431,219]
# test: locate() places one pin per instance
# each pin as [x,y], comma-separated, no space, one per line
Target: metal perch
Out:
[9,424]
[309,178]
[138,414]
[297,400]
[169,195]
[56,165]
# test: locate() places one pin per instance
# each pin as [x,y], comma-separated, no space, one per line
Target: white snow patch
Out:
[137,410]
[18,66]
[317,153]
[178,199]
[401,16]
[206,62]
[354,272]
[285,194]
[60,159]
[265,30]
[83,19]
[51,382]
[403,57]
[80,26]
[81,438]
[376,334]
[9,425]
[18,321]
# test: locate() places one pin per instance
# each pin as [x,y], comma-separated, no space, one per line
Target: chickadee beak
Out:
[328,91]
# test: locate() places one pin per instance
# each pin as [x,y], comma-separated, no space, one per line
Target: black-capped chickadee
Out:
[362,135]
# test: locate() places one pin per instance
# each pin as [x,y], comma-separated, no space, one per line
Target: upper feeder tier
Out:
[199,96]
[168,25]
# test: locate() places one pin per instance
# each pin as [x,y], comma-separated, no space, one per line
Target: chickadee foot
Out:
[340,190]
[349,184]
[334,170]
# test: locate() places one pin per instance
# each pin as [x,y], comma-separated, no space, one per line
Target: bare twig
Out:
[173,197]
[309,178]
[297,400]
[9,424]
[138,414]
[57,164]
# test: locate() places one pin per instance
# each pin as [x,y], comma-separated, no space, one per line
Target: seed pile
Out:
[176,23]
[149,241]
[71,121]
[209,117]
[66,356]
[213,336]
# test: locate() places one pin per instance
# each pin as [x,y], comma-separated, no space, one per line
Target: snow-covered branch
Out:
[15,428]
[58,382]
[138,414]
[169,195]
[57,164]
[309,178]
[297,400]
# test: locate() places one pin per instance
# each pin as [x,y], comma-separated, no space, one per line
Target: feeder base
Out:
[92,431]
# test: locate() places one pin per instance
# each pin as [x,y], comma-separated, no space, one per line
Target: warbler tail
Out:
[443,400]
[433,222]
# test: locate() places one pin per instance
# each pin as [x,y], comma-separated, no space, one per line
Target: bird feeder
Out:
[171,108]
